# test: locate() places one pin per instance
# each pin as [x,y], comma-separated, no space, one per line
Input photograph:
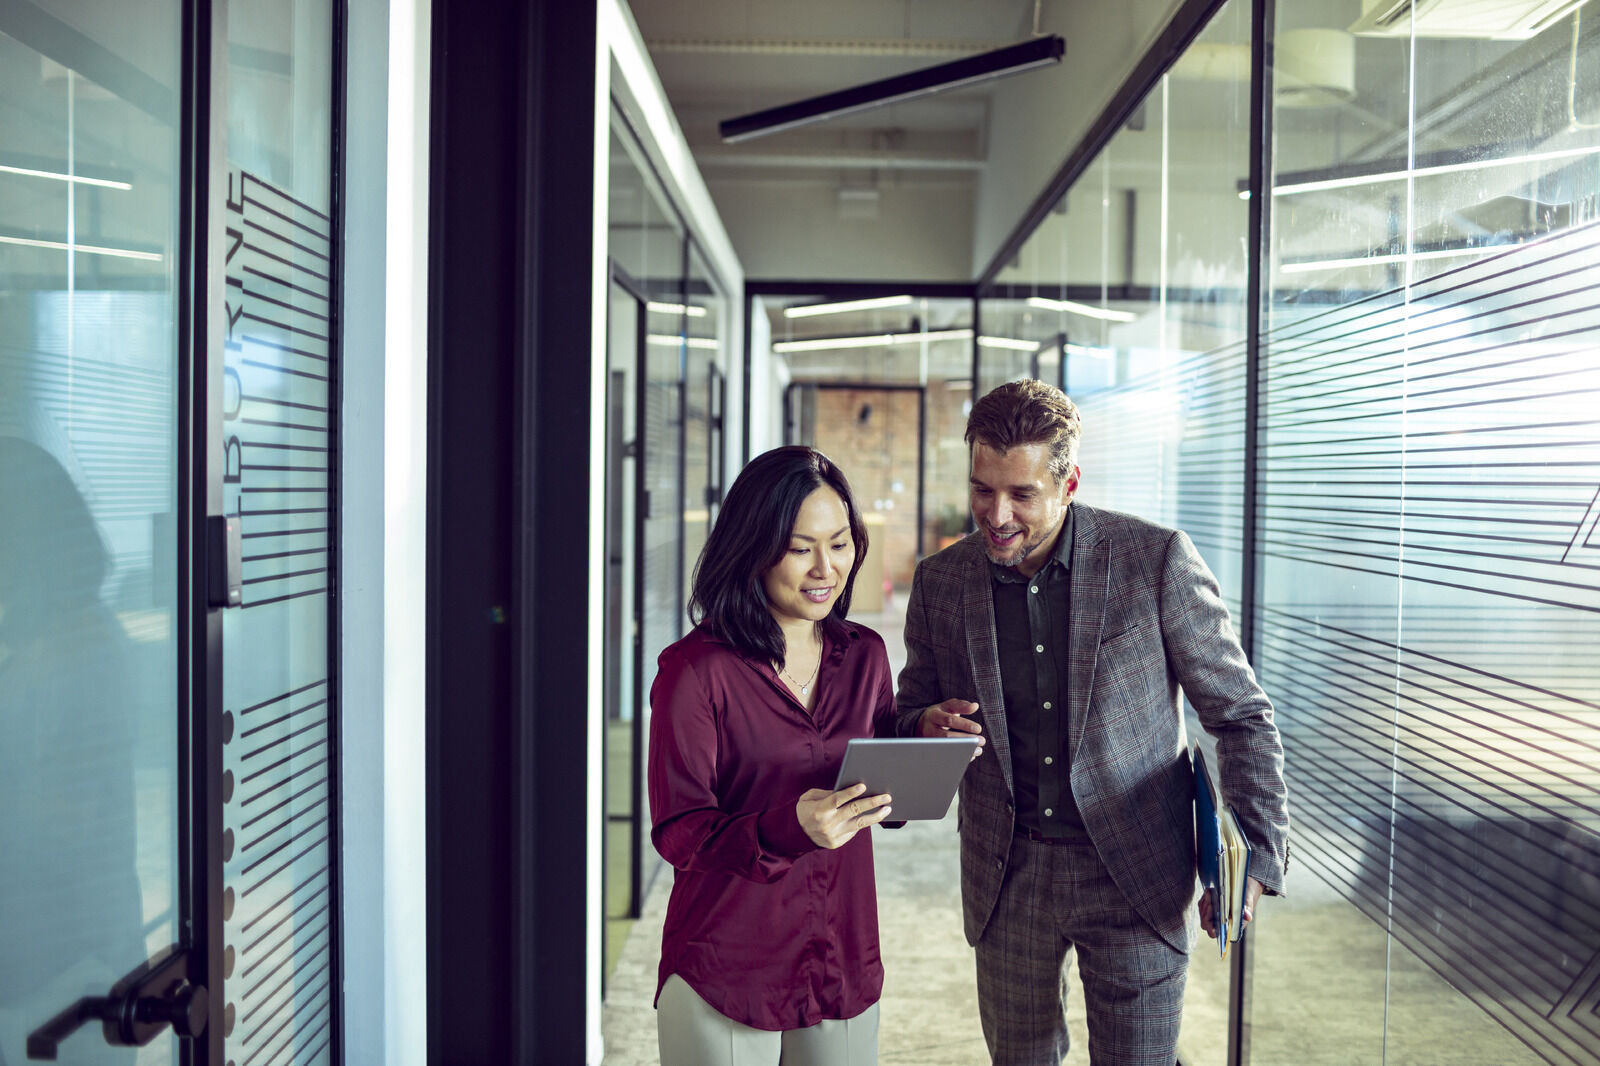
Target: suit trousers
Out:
[1058,898]
[693,1033]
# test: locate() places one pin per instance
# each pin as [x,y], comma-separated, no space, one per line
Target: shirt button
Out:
[1038,647]
[1047,705]
[1048,812]
[1048,760]
[1034,588]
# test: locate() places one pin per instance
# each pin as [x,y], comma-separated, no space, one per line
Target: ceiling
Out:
[892,169]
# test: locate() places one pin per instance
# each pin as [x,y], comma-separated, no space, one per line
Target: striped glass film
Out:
[279,415]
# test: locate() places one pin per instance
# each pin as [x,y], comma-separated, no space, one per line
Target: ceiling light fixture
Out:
[811,310]
[690,310]
[1013,59]
[876,340]
[1072,307]
[1379,260]
[87,249]
[77,179]
[1428,172]
[1008,343]
[669,341]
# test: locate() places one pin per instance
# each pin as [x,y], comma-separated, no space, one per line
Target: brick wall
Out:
[872,435]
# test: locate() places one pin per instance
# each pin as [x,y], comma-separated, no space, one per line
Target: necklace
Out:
[805,688]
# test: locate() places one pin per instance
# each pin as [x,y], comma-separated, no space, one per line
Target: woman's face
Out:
[809,578]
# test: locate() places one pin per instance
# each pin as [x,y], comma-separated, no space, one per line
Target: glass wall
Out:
[666,340]
[1430,362]
[89,466]
[1427,566]
[1132,293]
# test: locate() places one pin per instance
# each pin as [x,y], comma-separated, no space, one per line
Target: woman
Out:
[770,951]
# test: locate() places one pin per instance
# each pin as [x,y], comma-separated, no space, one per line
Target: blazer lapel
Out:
[1091,569]
[983,654]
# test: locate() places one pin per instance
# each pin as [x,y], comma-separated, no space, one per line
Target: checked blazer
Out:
[1146,620]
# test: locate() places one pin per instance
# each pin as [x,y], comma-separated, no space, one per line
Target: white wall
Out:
[922,232]
[383,507]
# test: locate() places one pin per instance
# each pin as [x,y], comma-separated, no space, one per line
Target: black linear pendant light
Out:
[1000,63]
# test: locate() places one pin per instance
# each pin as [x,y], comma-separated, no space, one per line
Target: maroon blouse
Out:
[767,927]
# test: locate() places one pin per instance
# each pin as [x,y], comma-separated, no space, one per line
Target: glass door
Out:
[279,461]
[92,513]
[168,379]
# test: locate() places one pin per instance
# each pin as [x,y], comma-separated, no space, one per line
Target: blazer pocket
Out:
[1129,633]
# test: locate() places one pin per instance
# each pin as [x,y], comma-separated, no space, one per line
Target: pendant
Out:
[805,690]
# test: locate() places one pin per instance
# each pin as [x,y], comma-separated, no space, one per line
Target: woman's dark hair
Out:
[749,538]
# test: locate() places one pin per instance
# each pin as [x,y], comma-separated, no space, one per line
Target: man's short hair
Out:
[1026,412]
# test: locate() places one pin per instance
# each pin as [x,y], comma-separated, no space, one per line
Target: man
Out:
[1066,631]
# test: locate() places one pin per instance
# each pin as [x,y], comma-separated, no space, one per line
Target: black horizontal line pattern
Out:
[281,865]
[307,687]
[258,997]
[1430,620]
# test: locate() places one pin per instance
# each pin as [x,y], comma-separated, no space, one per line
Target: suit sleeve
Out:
[919,678]
[1210,664]
[689,827]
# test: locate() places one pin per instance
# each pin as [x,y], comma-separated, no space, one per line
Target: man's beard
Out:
[1022,551]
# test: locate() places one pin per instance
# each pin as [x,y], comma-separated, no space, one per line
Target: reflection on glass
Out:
[88,672]
[665,432]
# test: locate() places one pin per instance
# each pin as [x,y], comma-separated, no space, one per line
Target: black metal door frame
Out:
[635,449]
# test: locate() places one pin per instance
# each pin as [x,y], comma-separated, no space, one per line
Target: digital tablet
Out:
[919,773]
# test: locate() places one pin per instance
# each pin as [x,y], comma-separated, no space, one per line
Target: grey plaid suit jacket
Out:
[1146,618]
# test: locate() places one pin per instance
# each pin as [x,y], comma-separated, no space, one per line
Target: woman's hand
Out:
[952,718]
[830,819]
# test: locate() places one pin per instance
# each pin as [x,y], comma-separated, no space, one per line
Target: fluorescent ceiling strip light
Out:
[1425,172]
[1072,307]
[87,249]
[666,340]
[1013,59]
[1377,260]
[878,340]
[691,310]
[1008,343]
[1092,353]
[103,183]
[811,310]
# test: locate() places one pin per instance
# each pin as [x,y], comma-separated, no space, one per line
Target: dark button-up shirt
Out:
[1030,620]
[767,927]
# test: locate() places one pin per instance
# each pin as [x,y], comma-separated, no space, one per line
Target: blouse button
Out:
[1048,812]
[1038,647]
[1047,705]
[1048,760]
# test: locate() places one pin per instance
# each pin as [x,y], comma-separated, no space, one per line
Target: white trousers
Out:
[692,1033]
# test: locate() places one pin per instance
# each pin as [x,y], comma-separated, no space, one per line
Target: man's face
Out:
[1017,504]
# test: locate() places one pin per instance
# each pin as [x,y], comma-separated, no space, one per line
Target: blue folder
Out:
[1222,854]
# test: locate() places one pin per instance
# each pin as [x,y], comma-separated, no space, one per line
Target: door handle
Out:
[139,1007]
